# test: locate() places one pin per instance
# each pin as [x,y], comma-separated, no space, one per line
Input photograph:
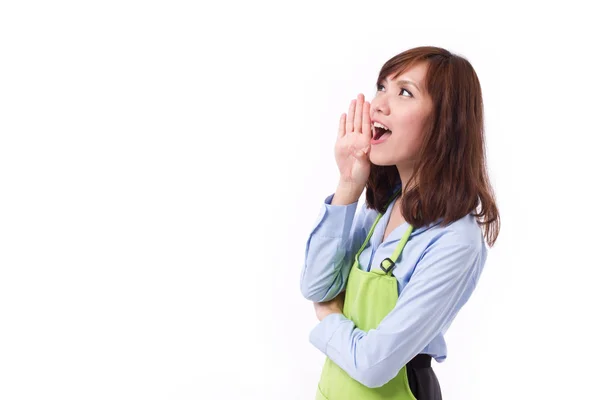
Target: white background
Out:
[162,163]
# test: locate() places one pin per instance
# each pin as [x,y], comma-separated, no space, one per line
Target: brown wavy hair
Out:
[450,178]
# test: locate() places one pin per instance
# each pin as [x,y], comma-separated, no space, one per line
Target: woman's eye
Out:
[381,88]
[404,90]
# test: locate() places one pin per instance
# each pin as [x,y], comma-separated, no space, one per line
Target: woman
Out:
[388,281]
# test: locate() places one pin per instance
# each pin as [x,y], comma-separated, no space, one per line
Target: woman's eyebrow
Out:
[407,82]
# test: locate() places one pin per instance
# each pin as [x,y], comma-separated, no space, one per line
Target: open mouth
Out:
[379,130]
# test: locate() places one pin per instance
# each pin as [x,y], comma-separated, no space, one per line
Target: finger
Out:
[361,153]
[358,114]
[342,127]
[350,116]
[366,120]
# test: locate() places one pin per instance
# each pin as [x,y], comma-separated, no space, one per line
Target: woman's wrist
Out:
[346,193]
[328,311]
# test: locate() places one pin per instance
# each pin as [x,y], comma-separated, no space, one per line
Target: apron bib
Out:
[370,296]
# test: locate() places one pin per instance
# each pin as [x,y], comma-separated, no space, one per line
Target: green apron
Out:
[370,296]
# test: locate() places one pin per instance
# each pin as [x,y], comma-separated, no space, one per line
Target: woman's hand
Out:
[333,306]
[354,143]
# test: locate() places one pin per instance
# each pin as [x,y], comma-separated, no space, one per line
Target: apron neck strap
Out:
[388,264]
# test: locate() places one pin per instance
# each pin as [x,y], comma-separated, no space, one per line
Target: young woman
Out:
[387,282]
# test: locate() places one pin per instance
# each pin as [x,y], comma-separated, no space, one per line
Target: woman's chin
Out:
[381,160]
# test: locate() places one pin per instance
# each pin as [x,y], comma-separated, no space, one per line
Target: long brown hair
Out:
[450,178]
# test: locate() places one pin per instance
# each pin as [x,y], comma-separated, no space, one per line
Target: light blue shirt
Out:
[437,272]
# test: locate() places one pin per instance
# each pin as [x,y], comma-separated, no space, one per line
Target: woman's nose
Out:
[379,106]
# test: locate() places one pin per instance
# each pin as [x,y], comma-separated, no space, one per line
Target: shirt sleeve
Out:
[442,281]
[330,249]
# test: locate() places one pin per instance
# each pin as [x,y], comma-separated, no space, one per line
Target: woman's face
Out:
[401,105]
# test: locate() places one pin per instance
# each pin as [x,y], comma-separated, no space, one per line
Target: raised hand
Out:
[354,143]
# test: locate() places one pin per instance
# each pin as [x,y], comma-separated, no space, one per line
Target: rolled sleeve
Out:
[330,248]
[335,221]
[324,331]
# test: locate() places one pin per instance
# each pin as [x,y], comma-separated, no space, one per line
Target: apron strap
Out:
[388,264]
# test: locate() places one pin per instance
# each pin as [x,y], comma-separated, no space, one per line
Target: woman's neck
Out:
[406,172]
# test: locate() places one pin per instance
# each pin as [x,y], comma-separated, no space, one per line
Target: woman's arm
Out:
[443,280]
[331,246]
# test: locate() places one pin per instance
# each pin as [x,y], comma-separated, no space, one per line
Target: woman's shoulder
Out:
[465,231]
[459,243]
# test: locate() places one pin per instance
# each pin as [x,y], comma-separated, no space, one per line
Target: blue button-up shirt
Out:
[437,272]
